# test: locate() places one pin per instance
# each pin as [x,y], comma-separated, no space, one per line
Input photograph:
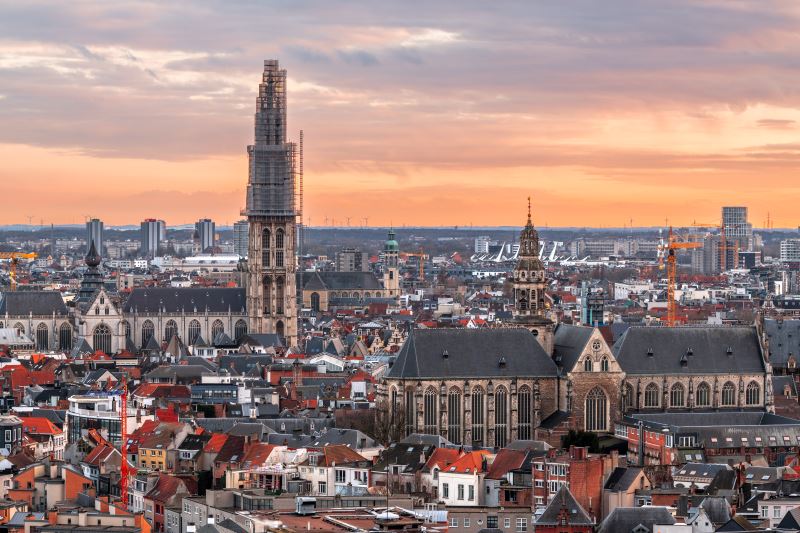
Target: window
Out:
[8,435]
[454,522]
[506,523]
[676,395]
[147,332]
[765,512]
[522,525]
[65,337]
[553,486]
[753,394]
[265,246]
[491,522]
[539,484]
[454,416]
[501,417]
[194,331]
[42,337]
[340,476]
[101,339]
[587,364]
[539,500]
[651,395]
[322,487]
[524,411]
[630,396]
[460,491]
[466,522]
[478,417]
[728,394]
[216,328]
[604,364]
[445,490]
[596,410]
[429,414]
[703,395]
[170,330]
[471,493]
[776,511]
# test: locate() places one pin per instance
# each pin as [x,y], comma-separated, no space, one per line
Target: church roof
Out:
[177,300]
[471,353]
[690,350]
[564,499]
[336,281]
[24,303]
[568,344]
[784,340]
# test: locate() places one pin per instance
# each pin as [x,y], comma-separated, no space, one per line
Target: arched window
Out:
[315,302]
[651,396]
[240,329]
[170,330]
[279,296]
[65,337]
[367,295]
[454,416]
[500,417]
[478,417]
[729,394]
[194,331]
[126,329]
[392,404]
[20,328]
[596,414]
[216,328]
[279,329]
[703,395]
[604,364]
[267,296]
[630,397]
[265,245]
[101,339]
[147,332]
[411,411]
[753,394]
[42,337]
[676,396]
[587,364]
[279,248]
[429,414]
[525,413]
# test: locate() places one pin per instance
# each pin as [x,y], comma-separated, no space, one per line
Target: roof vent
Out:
[650,352]
[502,362]
[684,360]
[729,351]
[690,351]
[445,354]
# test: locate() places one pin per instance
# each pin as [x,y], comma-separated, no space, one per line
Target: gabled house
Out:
[461,483]
[400,467]
[440,459]
[168,491]
[336,470]
[564,515]
[43,438]
[102,465]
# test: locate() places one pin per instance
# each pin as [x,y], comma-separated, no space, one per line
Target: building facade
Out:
[152,234]
[206,232]
[94,232]
[241,230]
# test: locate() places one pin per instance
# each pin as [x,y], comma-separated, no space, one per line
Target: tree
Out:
[581,438]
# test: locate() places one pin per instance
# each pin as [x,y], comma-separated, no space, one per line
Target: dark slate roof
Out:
[425,439]
[411,457]
[708,345]
[471,353]
[176,300]
[717,508]
[564,499]
[625,519]
[264,339]
[242,364]
[337,281]
[737,523]
[784,340]
[568,343]
[24,303]
[791,521]
[349,437]
[621,478]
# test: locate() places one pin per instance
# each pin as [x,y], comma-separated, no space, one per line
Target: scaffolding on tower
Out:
[126,470]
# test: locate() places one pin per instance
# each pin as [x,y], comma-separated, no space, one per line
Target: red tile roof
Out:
[39,426]
[215,444]
[442,458]
[257,455]
[469,463]
[505,461]
[100,454]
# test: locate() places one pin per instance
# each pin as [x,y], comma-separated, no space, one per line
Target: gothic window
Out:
[525,411]
[753,394]
[170,330]
[596,413]
[500,417]
[429,411]
[65,337]
[729,394]
[703,395]
[20,328]
[267,296]
[265,246]
[604,364]
[279,296]
[454,416]
[367,295]
[630,396]
[651,395]
[315,302]
[587,364]
[676,396]
[240,329]
[279,248]
[279,328]
[42,337]
[478,417]
[147,331]
[278,258]
[101,339]
[194,331]
[392,404]
[126,329]
[411,410]
[216,328]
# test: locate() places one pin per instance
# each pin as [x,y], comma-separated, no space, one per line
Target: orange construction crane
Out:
[15,257]
[673,244]
[422,258]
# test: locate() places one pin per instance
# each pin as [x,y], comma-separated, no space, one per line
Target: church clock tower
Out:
[271,262]
[530,287]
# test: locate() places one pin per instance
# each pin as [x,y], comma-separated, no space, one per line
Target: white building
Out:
[790,250]
[461,484]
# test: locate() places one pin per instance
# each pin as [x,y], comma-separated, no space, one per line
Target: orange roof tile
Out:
[469,463]
[215,444]
[35,425]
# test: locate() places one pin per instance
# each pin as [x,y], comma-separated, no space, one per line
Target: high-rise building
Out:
[94,232]
[206,231]
[240,232]
[352,260]
[738,231]
[270,210]
[482,244]
[153,234]
[790,251]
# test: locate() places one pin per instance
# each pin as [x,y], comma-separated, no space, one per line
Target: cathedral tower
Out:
[530,287]
[391,272]
[272,266]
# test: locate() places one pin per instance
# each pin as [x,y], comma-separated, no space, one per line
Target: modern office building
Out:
[241,230]
[790,251]
[94,232]
[270,209]
[738,231]
[352,260]
[482,244]
[153,234]
[206,231]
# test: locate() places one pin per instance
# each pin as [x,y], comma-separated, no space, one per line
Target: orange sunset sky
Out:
[415,113]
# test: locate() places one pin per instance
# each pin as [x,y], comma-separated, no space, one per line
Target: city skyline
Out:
[626,113]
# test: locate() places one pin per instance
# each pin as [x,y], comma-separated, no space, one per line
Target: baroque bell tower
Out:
[530,287]
[270,210]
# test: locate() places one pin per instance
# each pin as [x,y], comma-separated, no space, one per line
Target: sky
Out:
[414,112]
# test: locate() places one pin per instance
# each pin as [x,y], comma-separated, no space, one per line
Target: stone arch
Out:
[279,329]
[315,302]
